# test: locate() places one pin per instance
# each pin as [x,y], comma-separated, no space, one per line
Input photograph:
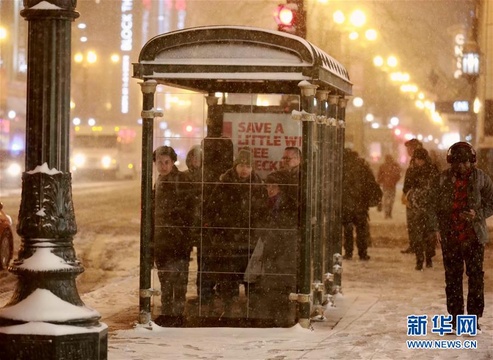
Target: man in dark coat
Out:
[425,173]
[230,214]
[409,183]
[290,167]
[357,178]
[463,199]
[172,238]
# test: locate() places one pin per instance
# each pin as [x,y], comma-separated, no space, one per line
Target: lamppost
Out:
[61,327]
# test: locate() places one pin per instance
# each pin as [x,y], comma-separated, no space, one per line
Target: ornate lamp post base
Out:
[67,342]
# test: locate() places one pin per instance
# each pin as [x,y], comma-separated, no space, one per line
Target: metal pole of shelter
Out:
[304,278]
[333,172]
[148,89]
[340,133]
[327,183]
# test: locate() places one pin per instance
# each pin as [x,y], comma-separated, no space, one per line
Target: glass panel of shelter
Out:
[212,220]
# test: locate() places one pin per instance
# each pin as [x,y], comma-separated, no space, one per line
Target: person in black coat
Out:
[419,203]
[172,238]
[357,180]
[409,183]
[231,212]
[280,235]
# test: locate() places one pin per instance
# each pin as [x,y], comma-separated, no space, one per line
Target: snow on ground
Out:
[368,322]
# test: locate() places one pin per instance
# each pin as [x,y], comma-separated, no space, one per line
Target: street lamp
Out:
[470,60]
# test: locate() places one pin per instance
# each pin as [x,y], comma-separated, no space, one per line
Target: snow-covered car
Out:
[6,239]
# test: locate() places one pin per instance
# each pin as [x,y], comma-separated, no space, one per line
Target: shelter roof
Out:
[239,59]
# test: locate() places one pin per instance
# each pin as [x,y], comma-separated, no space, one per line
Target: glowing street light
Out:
[3,33]
[392,61]
[91,57]
[394,121]
[339,17]
[378,61]
[357,18]
[115,58]
[399,77]
[353,35]
[358,102]
[371,34]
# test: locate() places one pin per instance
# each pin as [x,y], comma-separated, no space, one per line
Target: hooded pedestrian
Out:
[419,203]
[409,180]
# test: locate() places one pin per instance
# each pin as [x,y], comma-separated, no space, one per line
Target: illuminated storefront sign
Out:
[451,107]
[126,48]
[458,47]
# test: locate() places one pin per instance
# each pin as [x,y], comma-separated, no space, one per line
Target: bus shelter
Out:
[247,235]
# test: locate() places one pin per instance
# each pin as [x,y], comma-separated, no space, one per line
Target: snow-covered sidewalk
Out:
[369,320]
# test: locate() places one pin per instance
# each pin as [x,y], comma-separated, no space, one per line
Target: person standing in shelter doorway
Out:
[409,182]
[389,174]
[419,203]
[463,199]
[173,219]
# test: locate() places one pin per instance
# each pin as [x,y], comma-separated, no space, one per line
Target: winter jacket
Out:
[280,235]
[358,179]
[419,196]
[235,203]
[217,157]
[389,174]
[479,198]
[173,218]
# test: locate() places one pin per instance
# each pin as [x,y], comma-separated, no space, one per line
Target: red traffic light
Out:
[290,18]
[285,14]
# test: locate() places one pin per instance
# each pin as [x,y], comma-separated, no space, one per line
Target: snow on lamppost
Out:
[45,318]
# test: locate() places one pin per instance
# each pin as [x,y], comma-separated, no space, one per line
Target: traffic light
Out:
[290,18]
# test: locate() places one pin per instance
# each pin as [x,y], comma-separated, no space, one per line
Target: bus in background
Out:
[105,152]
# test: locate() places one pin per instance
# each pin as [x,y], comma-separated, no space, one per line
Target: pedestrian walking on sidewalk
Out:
[360,192]
[409,182]
[419,203]
[463,199]
[389,173]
